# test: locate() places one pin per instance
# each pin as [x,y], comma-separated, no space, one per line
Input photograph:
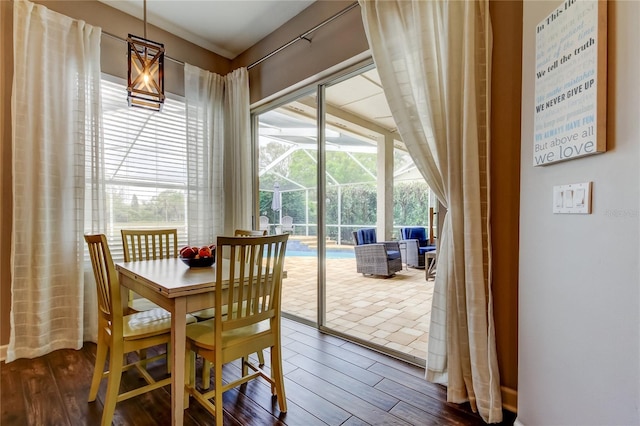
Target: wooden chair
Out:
[255,286]
[252,233]
[206,367]
[120,334]
[145,245]
[150,244]
[206,314]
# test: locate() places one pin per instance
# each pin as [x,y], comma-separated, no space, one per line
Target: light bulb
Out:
[146,78]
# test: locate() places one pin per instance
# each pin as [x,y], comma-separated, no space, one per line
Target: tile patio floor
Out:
[392,312]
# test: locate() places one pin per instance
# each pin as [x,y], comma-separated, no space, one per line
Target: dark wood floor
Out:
[328,381]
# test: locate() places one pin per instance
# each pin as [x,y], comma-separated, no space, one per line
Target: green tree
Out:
[168,206]
[359,204]
[411,203]
[355,173]
[303,168]
[354,168]
[117,205]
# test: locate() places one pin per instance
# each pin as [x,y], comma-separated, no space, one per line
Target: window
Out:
[145,166]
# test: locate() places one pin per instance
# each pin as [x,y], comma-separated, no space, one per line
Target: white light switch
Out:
[574,198]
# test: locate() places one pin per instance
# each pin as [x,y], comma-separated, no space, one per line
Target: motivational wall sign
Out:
[570,82]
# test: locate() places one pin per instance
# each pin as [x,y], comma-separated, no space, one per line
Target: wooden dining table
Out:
[179,289]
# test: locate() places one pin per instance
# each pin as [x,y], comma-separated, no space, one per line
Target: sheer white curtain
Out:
[237,172]
[204,102]
[434,61]
[55,115]
[218,153]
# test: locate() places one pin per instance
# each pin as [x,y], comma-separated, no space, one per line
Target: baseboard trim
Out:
[518,423]
[509,399]
[3,352]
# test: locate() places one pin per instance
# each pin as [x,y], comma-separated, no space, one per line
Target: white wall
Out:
[579,326]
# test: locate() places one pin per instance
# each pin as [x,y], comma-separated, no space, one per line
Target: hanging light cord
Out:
[144,15]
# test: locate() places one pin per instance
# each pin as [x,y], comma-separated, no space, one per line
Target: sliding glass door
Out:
[331,159]
[287,176]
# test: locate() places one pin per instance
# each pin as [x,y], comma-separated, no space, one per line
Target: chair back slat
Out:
[107,284]
[255,279]
[147,244]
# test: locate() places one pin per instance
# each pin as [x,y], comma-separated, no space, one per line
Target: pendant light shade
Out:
[145,78]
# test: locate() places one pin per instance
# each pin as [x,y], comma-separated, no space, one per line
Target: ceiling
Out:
[229,27]
[226,27]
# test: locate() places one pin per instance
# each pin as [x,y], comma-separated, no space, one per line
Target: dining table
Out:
[179,289]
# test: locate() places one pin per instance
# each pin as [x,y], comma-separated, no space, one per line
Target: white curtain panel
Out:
[218,153]
[434,61]
[237,157]
[204,100]
[55,114]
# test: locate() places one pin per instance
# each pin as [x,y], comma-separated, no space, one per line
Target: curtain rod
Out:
[278,50]
[304,35]
[115,37]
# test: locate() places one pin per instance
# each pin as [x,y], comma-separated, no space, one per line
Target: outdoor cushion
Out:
[367,236]
[423,250]
[415,233]
[393,254]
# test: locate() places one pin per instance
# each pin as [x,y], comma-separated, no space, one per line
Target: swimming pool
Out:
[331,254]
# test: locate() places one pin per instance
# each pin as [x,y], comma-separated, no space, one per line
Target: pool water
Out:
[331,254]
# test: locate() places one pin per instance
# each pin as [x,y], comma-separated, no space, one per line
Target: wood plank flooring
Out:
[328,381]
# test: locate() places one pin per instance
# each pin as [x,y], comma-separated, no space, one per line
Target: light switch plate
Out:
[574,198]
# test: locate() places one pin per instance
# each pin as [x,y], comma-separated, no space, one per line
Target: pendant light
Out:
[145,79]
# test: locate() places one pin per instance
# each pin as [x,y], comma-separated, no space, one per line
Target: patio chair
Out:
[264,224]
[417,244]
[373,257]
[431,260]
[287,224]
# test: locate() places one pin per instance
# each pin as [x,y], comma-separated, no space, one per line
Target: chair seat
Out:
[142,304]
[148,323]
[423,250]
[393,254]
[202,334]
